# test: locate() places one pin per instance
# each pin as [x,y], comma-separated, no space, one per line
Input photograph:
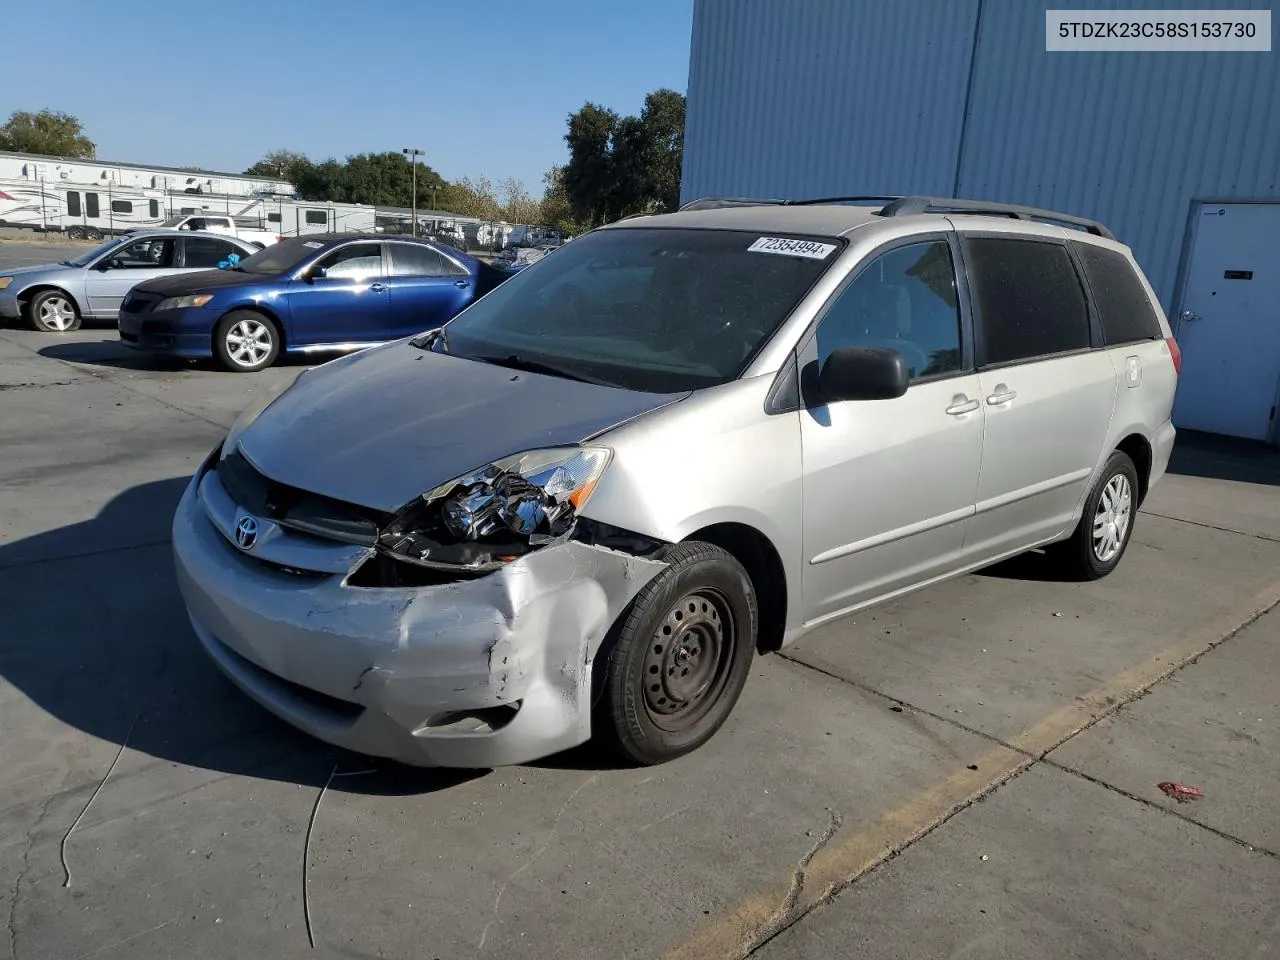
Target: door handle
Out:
[1002,395]
[1190,316]
[377,287]
[960,404]
[462,284]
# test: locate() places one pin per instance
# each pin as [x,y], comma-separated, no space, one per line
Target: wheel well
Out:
[275,321]
[25,296]
[1139,452]
[756,553]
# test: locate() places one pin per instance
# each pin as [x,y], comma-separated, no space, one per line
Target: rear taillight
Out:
[1175,353]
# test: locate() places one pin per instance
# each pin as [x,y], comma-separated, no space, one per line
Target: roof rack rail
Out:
[820,200]
[716,203]
[904,206]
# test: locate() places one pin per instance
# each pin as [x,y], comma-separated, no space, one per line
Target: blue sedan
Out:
[315,294]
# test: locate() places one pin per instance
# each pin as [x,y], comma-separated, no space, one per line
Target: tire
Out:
[1102,536]
[53,311]
[75,233]
[93,233]
[677,659]
[246,341]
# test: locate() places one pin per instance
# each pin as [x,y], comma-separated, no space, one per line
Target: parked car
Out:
[226,225]
[335,292]
[517,258]
[56,297]
[581,506]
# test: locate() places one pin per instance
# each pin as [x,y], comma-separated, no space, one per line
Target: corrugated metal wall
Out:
[798,98]
[856,96]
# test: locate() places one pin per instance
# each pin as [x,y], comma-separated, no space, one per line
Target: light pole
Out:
[412,154]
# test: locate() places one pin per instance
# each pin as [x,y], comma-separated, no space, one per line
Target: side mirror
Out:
[315,273]
[863,373]
[103,265]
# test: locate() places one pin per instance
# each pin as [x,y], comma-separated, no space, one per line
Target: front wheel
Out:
[678,658]
[1106,525]
[52,311]
[246,341]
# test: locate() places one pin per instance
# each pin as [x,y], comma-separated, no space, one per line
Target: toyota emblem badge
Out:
[246,533]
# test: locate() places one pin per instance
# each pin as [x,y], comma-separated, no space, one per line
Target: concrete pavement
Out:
[149,810]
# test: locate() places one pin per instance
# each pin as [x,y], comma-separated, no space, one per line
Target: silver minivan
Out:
[583,506]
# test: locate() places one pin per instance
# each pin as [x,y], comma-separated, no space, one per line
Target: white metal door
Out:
[1229,328]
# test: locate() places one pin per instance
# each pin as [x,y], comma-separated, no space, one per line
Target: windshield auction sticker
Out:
[792,248]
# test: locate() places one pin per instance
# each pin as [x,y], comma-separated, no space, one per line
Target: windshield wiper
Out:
[516,362]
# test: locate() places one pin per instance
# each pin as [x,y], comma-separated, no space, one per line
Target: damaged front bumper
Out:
[473,673]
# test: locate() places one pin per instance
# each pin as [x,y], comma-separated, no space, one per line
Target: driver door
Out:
[116,273]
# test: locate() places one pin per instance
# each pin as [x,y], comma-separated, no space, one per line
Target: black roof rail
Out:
[716,203]
[904,206]
[820,200]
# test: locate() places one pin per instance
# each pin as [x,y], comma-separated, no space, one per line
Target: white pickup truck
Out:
[219,223]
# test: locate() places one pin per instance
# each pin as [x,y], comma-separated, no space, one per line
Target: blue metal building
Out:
[808,98]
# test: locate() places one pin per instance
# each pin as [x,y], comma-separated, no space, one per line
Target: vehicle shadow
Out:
[1036,566]
[1225,458]
[112,353]
[93,632]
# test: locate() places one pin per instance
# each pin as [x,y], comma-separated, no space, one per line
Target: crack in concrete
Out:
[1161,807]
[24,864]
[1212,526]
[37,386]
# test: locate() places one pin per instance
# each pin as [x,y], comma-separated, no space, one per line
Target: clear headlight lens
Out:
[181,303]
[500,512]
[5,281]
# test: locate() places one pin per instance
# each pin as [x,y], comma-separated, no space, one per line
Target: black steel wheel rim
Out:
[687,664]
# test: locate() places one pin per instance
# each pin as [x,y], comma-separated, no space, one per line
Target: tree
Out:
[472,198]
[557,213]
[281,165]
[625,165]
[53,134]
[519,206]
[382,179]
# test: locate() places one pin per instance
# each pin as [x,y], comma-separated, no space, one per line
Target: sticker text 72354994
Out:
[792,248]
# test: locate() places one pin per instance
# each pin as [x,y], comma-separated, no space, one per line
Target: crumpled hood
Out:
[202,281]
[381,427]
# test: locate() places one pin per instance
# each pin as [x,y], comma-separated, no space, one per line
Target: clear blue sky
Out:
[484,87]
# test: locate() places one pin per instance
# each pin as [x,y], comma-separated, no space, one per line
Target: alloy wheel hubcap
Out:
[248,342]
[687,662]
[57,313]
[1111,521]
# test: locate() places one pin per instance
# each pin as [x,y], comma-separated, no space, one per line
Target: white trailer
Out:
[81,211]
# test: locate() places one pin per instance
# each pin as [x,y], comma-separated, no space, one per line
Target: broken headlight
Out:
[498,513]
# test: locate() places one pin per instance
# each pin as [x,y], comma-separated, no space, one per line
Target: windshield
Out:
[282,257]
[655,310]
[87,258]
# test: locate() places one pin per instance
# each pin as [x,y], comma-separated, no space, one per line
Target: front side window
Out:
[1028,297]
[355,261]
[904,300]
[143,254]
[205,253]
[650,309]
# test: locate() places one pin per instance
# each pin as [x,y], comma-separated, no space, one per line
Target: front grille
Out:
[139,302]
[297,509]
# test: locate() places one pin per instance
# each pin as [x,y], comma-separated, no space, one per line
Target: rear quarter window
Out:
[1124,309]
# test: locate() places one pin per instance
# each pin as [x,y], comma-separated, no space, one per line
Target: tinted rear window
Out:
[1029,299]
[1124,310]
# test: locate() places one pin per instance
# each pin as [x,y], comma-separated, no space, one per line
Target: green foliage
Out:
[384,179]
[620,166]
[472,198]
[53,134]
[556,211]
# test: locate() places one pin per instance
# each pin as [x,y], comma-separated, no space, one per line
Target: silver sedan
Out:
[56,297]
